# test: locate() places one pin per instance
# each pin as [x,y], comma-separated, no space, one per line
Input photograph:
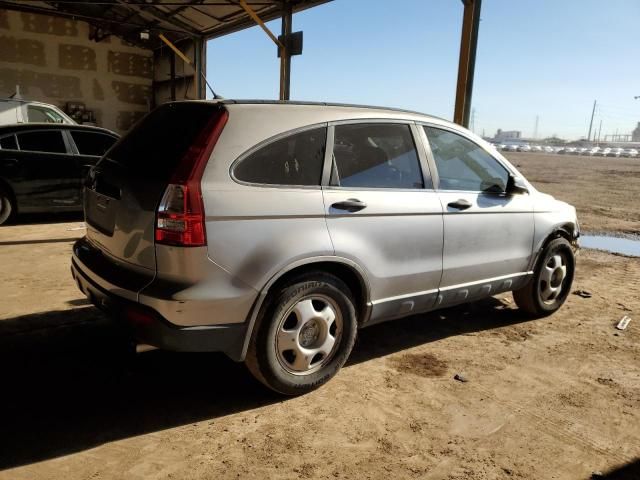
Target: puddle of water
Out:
[625,246]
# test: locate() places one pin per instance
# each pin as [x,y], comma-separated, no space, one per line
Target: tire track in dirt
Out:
[557,427]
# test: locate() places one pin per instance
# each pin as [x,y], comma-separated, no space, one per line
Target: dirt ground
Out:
[557,398]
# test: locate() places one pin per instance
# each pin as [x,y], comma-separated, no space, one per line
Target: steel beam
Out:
[285,54]
[467,62]
[199,50]
[172,74]
[256,18]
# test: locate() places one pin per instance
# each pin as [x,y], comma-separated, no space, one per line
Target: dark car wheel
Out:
[6,207]
[304,336]
[551,282]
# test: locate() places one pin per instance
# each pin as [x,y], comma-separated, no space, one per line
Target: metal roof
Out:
[177,19]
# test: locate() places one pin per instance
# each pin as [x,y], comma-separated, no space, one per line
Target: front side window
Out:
[293,160]
[463,165]
[43,114]
[376,155]
[44,141]
[91,143]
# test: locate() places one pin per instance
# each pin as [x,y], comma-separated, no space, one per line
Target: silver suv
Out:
[273,231]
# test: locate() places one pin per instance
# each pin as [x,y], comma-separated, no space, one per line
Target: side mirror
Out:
[516,185]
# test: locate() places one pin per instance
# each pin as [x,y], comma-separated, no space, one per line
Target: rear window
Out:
[92,143]
[158,142]
[50,141]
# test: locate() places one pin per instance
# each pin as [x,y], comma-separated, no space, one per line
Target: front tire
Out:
[304,335]
[551,282]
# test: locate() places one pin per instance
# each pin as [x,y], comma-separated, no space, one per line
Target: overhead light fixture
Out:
[144,35]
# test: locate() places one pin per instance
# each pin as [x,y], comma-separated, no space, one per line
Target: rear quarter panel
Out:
[255,232]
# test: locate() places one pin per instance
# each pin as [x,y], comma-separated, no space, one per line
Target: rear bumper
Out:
[147,326]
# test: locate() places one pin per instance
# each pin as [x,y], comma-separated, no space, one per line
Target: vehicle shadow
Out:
[70,383]
[38,218]
[630,471]
[397,335]
[36,242]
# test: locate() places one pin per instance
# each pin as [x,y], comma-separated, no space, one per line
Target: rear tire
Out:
[6,207]
[551,283]
[304,335]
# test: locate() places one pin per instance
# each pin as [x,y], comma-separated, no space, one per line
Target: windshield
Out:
[43,115]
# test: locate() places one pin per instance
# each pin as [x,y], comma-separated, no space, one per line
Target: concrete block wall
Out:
[53,61]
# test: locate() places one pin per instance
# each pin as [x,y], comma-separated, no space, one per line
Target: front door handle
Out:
[460,204]
[350,205]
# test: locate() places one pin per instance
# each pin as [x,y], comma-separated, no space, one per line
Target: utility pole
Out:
[535,130]
[593,112]
[599,131]
[473,120]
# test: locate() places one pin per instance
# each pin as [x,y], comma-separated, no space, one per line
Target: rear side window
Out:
[8,143]
[160,140]
[50,141]
[376,155]
[293,160]
[91,143]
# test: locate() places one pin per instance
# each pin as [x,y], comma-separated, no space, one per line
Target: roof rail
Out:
[323,104]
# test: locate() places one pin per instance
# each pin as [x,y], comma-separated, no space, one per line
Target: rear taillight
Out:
[180,218]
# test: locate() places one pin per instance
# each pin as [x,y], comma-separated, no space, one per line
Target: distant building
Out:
[635,135]
[502,135]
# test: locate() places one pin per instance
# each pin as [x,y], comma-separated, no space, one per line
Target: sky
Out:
[536,58]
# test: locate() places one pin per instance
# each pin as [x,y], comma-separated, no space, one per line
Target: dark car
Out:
[42,165]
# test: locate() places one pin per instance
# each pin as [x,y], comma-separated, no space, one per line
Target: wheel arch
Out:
[567,230]
[346,270]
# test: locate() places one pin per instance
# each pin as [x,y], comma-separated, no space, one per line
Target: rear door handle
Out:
[460,204]
[350,205]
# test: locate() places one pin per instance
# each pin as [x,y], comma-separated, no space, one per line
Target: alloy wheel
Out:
[552,278]
[308,335]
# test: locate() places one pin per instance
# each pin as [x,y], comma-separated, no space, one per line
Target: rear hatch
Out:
[124,190]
